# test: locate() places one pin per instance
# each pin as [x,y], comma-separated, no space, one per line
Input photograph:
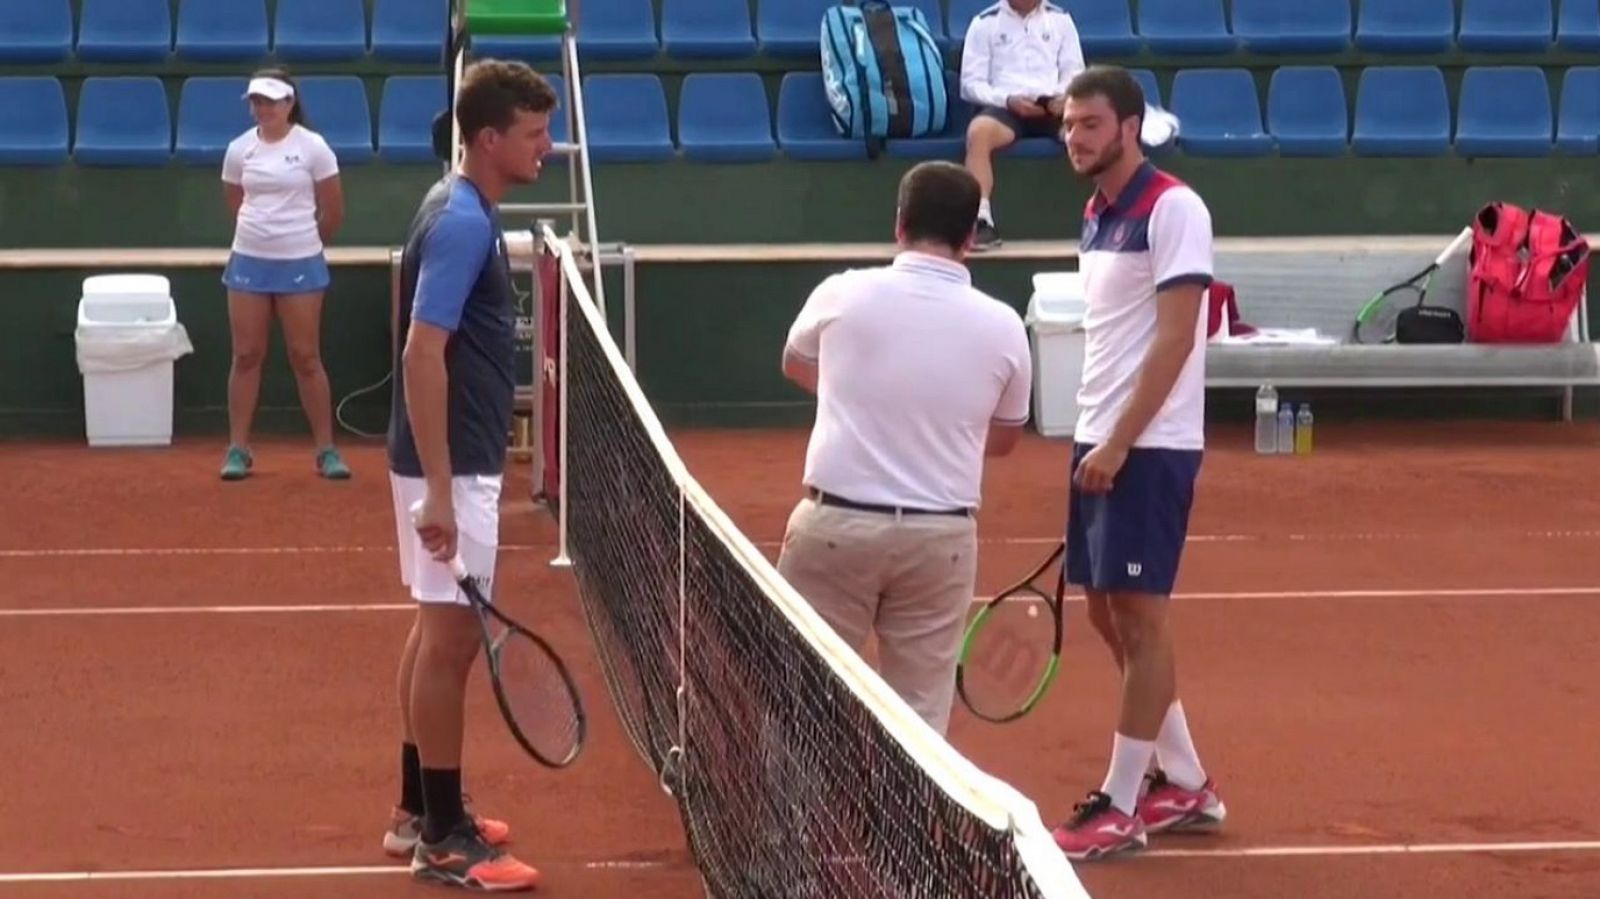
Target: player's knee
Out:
[1139,622]
[450,638]
[248,358]
[985,135]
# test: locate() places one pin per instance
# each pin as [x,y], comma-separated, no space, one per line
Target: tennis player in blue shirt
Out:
[454,388]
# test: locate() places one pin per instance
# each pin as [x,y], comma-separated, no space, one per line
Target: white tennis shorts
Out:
[477,505]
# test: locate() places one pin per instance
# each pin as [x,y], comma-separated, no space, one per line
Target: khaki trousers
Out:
[909,578]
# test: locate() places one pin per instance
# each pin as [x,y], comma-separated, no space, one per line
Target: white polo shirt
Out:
[1156,235]
[914,363]
[279,217]
[1008,54]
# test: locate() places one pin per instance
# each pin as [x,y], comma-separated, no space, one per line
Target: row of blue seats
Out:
[144,31]
[621,29]
[414,30]
[726,117]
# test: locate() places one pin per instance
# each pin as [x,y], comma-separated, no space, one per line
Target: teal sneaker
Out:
[331,465]
[236,465]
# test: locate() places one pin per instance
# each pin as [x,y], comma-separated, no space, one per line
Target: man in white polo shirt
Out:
[1017,60]
[918,376]
[1146,254]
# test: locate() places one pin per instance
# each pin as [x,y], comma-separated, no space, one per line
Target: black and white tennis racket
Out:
[1375,323]
[1012,648]
[537,696]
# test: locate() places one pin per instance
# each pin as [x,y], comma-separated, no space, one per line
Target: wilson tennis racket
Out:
[1012,648]
[1375,323]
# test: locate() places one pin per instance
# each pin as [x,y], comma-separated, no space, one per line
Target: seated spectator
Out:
[1018,59]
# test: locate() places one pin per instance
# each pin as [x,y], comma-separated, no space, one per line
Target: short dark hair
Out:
[297,112]
[1120,89]
[939,202]
[491,92]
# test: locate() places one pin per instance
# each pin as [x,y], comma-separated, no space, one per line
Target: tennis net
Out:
[797,771]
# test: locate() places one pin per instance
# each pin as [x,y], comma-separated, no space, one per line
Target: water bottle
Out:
[1302,430]
[1266,419]
[1286,428]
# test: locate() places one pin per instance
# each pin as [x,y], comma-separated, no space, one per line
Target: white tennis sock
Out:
[984,212]
[1130,759]
[1175,750]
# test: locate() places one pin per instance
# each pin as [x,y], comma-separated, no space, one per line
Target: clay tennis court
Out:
[1388,651]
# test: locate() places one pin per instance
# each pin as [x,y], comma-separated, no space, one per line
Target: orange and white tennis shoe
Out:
[405,829]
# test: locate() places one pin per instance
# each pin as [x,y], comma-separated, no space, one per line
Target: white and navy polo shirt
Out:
[1008,54]
[1156,235]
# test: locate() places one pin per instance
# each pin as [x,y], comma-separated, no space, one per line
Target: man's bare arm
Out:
[427,402]
[1177,309]
[801,371]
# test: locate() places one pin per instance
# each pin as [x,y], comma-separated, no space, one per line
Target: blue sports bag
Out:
[883,71]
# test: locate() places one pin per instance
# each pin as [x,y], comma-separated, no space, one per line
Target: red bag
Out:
[1528,273]
[1222,311]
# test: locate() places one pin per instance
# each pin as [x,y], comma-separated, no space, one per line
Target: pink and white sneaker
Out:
[1097,829]
[1169,808]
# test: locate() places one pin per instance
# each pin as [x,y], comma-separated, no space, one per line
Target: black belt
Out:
[829,499]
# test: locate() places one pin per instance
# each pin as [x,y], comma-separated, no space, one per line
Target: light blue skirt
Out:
[276,276]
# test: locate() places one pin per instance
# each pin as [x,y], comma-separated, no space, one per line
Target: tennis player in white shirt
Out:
[281,184]
[1018,59]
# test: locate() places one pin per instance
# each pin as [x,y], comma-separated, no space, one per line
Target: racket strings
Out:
[533,689]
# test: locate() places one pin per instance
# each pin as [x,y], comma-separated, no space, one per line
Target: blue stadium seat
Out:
[212,112]
[627,118]
[320,30]
[1149,84]
[1401,111]
[125,31]
[1105,27]
[1185,27]
[707,29]
[949,144]
[617,29]
[1578,129]
[35,31]
[1504,111]
[337,108]
[1506,26]
[33,121]
[222,30]
[790,27]
[1406,26]
[961,14]
[123,121]
[406,110]
[539,50]
[409,30]
[1221,113]
[1307,111]
[805,123]
[1293,26]
[1578,28]
[725,117]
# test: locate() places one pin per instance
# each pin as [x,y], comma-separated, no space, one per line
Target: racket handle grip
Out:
[458,569]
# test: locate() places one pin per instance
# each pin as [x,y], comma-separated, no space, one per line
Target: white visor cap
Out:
[271,88]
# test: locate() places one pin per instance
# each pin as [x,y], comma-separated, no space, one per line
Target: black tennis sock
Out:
[441,791]
[411,779]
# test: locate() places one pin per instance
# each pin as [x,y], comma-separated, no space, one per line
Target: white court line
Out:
[1465,593]
[1245,852]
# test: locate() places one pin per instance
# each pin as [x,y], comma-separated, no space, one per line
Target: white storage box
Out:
[128,338]
[1055,320]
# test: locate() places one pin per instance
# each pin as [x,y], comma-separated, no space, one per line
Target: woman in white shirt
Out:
[281,184]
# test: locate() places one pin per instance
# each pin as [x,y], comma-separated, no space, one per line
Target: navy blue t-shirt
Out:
[455,275]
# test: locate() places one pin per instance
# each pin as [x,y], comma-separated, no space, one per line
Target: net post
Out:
[563,497]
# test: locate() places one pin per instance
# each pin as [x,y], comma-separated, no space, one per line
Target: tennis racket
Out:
[1012,648]
[1375,323]
[537,696]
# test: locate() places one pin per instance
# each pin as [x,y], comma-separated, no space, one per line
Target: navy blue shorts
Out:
[1131,539]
